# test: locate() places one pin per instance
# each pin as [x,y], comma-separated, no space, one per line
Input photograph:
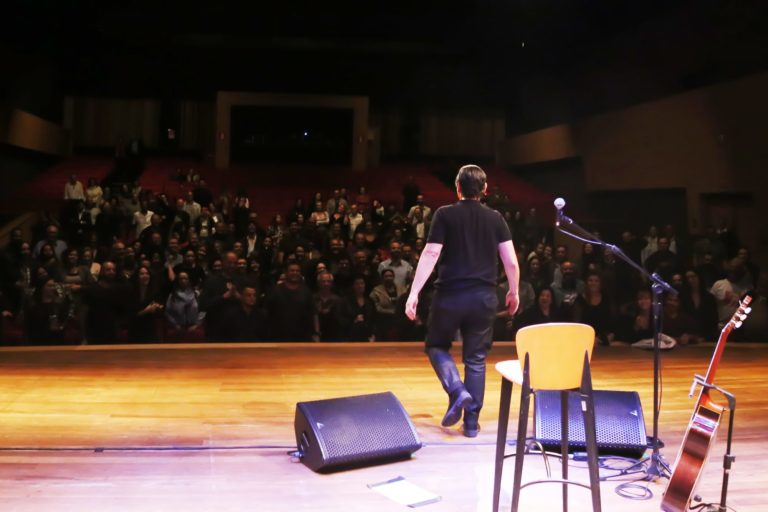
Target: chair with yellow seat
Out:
[552,356]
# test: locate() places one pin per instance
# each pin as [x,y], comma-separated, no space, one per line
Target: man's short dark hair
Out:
[471,180]
[246,284]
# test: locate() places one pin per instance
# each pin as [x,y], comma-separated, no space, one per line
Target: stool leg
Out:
[590,432]
[522,433]
[501,439]
[564,443]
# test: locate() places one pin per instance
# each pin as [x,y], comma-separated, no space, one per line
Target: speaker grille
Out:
[348,431]
[620,425]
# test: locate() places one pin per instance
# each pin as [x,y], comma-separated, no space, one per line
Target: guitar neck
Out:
[733,323]
[718,354]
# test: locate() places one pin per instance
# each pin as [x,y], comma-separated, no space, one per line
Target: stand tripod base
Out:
[657,468]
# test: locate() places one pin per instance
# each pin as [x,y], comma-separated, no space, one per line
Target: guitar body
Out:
[692,457]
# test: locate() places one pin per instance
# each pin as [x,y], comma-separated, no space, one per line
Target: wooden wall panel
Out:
[102,122]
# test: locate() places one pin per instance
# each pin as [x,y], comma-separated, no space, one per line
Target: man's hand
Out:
[410,306]
[513,301]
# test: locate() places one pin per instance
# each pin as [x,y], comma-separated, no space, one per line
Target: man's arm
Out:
[512,269]
[427,262]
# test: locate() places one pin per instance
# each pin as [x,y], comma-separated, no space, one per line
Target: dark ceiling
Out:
[482,53]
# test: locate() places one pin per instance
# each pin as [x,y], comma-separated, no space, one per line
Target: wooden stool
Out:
[554,356]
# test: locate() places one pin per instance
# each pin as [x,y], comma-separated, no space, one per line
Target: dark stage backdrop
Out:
[291,135]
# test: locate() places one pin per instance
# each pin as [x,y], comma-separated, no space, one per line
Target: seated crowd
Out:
[124,264]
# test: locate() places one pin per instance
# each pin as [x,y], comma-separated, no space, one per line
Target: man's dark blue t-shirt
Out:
[470,234]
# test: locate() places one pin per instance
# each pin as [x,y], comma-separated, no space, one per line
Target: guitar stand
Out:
[728,459]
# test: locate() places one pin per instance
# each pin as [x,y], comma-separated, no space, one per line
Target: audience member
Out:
[633,247]
[291,309]
[343,276]
[363,200]
[47,259]
[192,207]
[75,277]
[219,292]
[637,322]
[729,290]
[146,307]
[334,202]
[378,213]
[181,308]
[47,314]
[52,239]
[402,269]
[329,309]
[94,194]
[591,260]
[426,211]
[73,190]
[651,244]
[320,217]
[709,271]
[190,266]
[675,244]
[360,312]
[354,219]
[244,321]
[663,262]
[534,273]
[385,297]
[534,231]
[543,310]
[276,229]
[107,301]
[677,323]
[202,194]
[178,221]
[594,308]
[752,270]
[568,290]
[560,256]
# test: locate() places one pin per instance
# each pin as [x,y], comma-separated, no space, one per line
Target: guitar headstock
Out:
[741,313]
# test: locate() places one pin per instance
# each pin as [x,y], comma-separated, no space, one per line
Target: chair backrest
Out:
[555,353]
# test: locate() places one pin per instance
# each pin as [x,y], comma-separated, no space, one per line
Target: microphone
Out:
[560,204]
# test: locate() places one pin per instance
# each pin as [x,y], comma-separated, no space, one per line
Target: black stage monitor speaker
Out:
[618,417]
[354,431]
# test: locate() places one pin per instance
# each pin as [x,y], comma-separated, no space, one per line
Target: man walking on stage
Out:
[468,235]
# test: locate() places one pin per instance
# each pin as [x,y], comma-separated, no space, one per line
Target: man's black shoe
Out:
[471,426]
[458,401]
[470,429]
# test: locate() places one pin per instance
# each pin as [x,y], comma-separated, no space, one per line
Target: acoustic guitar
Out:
[701,432]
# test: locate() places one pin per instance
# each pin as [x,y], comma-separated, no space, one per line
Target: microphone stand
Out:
[657,467]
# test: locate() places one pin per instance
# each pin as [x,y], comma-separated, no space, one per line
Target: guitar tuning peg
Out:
[747,311]
[742,317]
[737,324]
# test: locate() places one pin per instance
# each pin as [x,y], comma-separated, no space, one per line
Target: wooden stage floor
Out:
[208,427]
